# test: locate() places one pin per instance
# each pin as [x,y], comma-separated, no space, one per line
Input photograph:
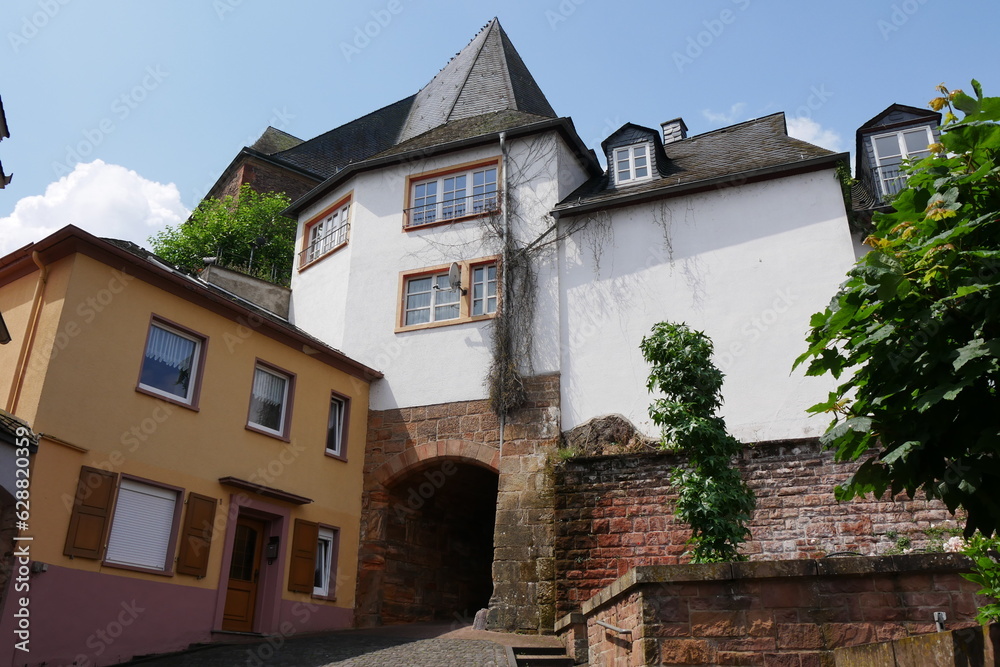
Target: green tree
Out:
[246,232]
[714,500]
[915,330]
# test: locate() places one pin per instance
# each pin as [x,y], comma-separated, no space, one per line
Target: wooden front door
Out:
[244,573]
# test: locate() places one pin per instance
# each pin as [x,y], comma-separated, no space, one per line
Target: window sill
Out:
[632,181]
[271,434]
[193,406]
[339,457]
[444,323]
[439,223]
[138,568]
[320,258]
[325,598]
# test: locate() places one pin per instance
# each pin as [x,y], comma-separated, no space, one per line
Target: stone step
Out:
[539,656]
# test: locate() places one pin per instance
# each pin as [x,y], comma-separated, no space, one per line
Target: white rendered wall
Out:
[350,298]
[747,265]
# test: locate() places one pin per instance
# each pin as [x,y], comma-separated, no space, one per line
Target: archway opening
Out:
[439,543]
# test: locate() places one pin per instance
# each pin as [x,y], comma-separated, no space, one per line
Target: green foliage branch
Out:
[245,232]
[714,500]
[915,330]
[986,573]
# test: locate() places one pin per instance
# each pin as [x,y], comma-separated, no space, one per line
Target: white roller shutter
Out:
[140,531]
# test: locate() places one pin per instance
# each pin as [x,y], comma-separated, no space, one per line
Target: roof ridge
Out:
[729,127]
[465,81]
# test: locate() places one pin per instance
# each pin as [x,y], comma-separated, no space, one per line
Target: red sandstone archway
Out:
[428,541]
[421,456]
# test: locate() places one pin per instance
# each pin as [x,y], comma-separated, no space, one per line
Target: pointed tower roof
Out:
[487,76]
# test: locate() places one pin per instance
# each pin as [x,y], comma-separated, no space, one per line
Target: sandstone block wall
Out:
[774,613]
[613,513]
[407,441]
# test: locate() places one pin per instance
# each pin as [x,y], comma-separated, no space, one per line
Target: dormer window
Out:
[890,151]
[632,164]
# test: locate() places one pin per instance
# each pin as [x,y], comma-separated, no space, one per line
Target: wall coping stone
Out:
[660,454]
[773,569]
[569,620]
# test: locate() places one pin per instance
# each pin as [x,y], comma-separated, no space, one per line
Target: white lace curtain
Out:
[268,388]
[170,349]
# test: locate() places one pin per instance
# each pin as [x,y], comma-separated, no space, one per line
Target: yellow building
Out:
[199,468]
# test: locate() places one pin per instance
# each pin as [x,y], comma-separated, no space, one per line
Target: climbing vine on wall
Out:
[714,500]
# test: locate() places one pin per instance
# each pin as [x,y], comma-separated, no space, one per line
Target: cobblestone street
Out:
[397,646]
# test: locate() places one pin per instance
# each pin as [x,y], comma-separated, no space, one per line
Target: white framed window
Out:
[484,289]
[142,526]
[429,298]
[631,163]
[452,195]
[890,151]
[327,232]
[326,543]
[336,427]
[269,400]
[426,298]
[171,363]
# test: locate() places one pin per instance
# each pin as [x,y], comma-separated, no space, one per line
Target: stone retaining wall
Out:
[773,613]
[613,513]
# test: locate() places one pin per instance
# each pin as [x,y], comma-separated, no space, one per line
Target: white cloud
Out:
[106,200]
[812,132]
[724,118]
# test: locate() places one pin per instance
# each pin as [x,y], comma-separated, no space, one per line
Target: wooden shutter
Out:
[88,524]
[302,569]
[196,535]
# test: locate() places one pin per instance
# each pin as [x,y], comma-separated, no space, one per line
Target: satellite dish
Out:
[455,276]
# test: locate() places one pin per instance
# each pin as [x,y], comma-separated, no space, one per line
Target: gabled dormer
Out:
[897,134]
[635,153]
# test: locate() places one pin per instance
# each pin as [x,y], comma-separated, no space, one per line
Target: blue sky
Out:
[123,114]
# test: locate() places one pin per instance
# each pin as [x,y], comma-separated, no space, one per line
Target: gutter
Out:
[718,182]
[29,335]
[563,124]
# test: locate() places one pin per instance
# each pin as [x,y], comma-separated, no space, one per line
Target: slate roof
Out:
[330,152]
[485,88]
[4,134]
[914,113]
[755,146]
[466,128]
[274,140]
[488,75]
[4,131]
[8,430]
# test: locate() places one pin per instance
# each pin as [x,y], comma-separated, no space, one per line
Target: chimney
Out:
[674,130]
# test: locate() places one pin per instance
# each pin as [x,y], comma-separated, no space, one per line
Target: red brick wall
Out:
[775,613]
[263,177]
[613,513]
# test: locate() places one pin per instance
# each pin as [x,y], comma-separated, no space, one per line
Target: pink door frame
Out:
[266,618]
